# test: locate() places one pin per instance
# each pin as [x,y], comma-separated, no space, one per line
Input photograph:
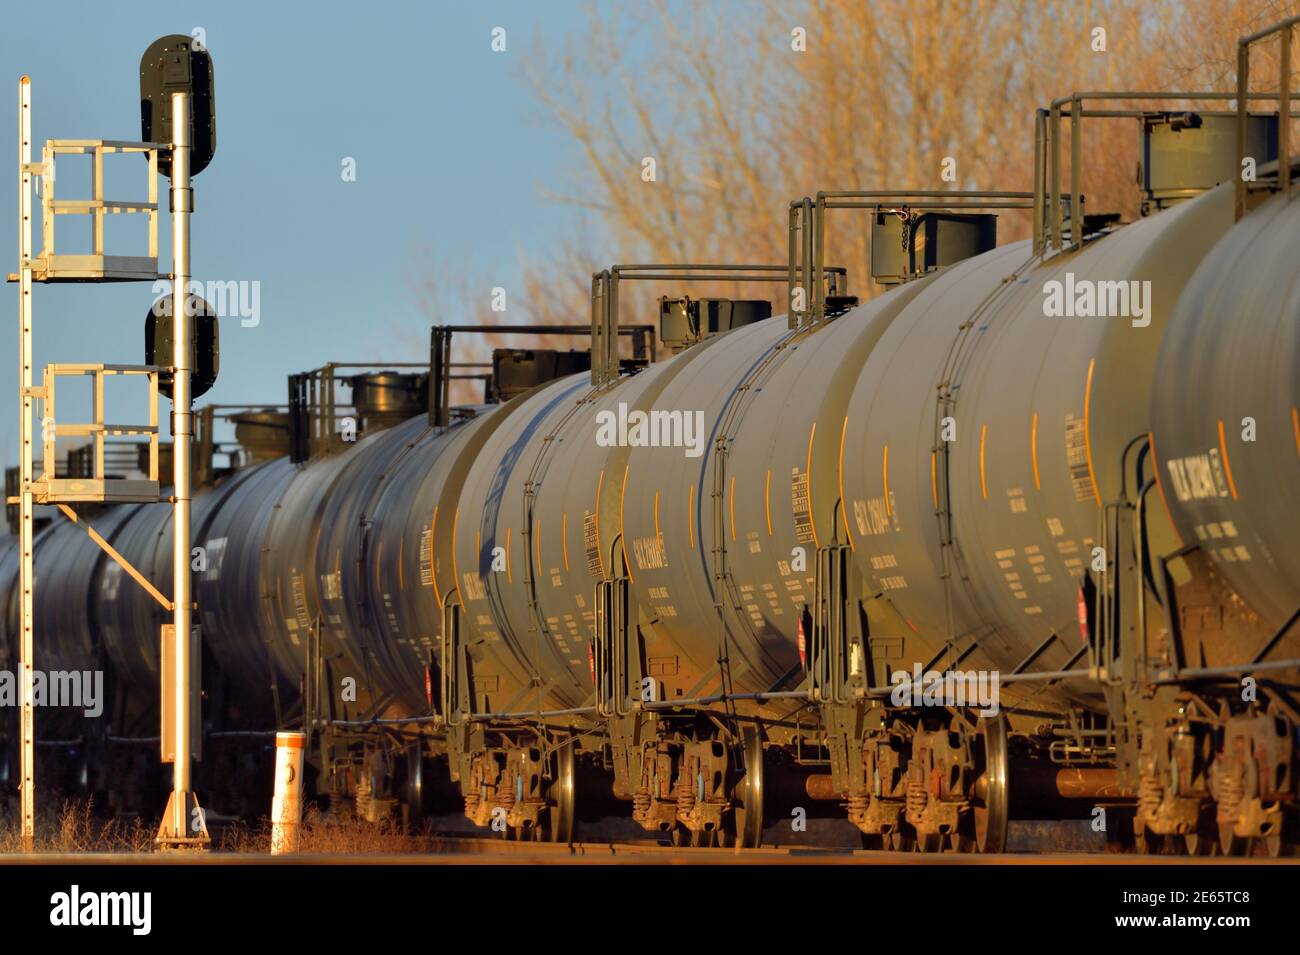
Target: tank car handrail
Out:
[1047,165]
[808,216]
[1286,29]
[1231,670]
[605,327]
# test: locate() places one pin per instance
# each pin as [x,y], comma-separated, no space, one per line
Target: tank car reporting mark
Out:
[1160,489]
[1199,477]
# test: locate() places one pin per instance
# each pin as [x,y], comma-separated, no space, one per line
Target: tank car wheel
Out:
[1147,842]
[683,838]
[1231,844]
[897,841]
[562,815]
[985,828]
[705,839]
[748,818]
[1276,846]
[1195,844]
[930,842]
[415,792]
[1280,840]
[525,834]
[900,840]
[1203,840]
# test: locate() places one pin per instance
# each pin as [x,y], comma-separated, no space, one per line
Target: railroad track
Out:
[476,850]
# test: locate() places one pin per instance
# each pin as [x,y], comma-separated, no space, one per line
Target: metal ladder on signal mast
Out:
[48,488]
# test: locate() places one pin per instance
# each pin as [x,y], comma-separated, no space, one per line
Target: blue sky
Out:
[451,158]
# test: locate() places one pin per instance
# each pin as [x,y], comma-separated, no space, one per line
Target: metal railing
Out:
[605,300]
[1286,28]
[443,369]
[807,234]
[50,266]
[1049,223]
[97,486]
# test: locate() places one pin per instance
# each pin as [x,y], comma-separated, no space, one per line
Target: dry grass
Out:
[325,833]
[74,828]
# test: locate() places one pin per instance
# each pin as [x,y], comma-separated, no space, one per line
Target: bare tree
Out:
[745,107]
[740,121]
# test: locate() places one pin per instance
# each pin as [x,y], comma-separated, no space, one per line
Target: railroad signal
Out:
[178,64]
[205,343]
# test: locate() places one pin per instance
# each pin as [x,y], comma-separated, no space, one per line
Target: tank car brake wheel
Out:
[562,815]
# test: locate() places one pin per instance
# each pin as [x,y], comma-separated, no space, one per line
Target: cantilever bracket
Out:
[121,561]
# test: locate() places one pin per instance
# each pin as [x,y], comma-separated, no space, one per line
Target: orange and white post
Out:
[286,802]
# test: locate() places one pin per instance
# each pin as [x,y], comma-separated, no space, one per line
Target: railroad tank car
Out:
[1042,410]
[695,587]
[272,533]
[1225,423]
